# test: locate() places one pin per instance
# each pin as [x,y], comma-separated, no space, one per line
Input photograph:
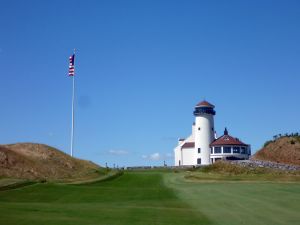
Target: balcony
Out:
[204,110]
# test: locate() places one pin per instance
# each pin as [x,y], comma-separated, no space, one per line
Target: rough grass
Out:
[7,184]
[232,172]
[227,168]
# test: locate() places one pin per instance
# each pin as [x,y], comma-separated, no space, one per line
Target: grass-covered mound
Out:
[281,150]
[42,162]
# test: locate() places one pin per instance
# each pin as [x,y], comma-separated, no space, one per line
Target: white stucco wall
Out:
[188,157]
[190,139]
[204,136]
[177,155]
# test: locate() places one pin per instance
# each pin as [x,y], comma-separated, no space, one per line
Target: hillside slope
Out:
[281,150]
[38,161]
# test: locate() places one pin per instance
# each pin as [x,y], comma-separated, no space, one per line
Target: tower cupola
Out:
[204,107]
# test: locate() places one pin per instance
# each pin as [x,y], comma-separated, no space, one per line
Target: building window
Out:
[218,150]
[199,161]
[236,150]
[199,150]
[226,149]
[211,151]
[243,150]
[199,128]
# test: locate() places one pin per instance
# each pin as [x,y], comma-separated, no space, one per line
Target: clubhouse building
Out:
[203,147]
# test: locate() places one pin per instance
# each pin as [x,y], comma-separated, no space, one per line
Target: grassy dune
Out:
[154,197]
[283,149]
[42,162]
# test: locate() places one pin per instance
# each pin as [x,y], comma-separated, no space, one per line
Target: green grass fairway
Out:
[245,201]
[134,198]
[151,197]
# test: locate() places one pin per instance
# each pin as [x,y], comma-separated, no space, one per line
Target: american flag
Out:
[71,65]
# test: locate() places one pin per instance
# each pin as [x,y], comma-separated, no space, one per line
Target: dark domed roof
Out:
[205,104]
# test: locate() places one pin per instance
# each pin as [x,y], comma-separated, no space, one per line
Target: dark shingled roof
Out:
[188,145]
[227,140]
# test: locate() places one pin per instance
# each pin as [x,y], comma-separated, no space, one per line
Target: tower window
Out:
[199,161]
[212,129]
[199,150]
[199,128]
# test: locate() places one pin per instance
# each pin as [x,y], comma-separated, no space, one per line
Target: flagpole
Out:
[73,108]
[72,129]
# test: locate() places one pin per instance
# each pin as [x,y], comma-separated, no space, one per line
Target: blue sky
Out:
[141,66]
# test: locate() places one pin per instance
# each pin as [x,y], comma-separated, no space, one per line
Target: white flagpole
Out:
[73,99]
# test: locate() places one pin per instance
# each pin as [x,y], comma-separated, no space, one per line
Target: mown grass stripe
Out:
[133,198]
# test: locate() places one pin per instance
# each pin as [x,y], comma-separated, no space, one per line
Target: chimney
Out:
[180,140]
[225,131]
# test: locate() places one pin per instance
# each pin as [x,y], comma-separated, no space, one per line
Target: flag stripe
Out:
[72,65]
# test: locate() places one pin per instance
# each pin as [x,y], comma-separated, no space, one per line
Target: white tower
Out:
[204,131]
